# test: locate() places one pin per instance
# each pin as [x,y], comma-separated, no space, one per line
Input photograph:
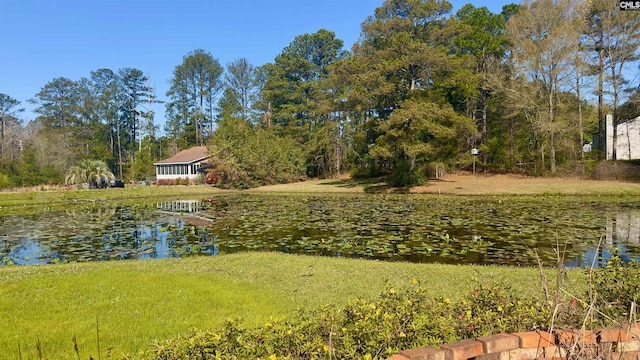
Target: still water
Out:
[426,229]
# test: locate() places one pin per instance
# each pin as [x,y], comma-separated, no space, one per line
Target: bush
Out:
[403,175]
[365,328]
[496,308]
[616,170]
[177,181]
[5,182]
[248,156]
[615,288]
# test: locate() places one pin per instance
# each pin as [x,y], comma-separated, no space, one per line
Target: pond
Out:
[507,230]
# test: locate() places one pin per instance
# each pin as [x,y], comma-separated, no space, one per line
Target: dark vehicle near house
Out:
[117,183]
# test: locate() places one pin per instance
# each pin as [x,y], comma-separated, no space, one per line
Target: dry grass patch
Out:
[467,184]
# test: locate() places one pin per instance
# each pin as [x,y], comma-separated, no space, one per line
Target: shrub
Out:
[615,287]
[177,181]
[403,175]
[365,328]
[616,170]
[5,182]
[248,156]
[496,308]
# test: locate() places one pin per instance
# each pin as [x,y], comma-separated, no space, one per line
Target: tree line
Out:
[527,88]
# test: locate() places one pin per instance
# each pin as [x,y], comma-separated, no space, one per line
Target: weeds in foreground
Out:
[610,300]
[76,348]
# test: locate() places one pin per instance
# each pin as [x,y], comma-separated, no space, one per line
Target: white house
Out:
[183,165]
[627,139]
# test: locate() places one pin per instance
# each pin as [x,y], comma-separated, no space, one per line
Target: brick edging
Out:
[623,342]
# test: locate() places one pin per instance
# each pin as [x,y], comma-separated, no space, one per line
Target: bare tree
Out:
[546,35]
[8,112]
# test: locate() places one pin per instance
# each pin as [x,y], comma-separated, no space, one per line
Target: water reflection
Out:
[625,225]
[100,234]
[190,211]
[398,229]
[622,230]
[178,206]
[29,252]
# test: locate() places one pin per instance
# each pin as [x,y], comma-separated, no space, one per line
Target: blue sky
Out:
[45,39]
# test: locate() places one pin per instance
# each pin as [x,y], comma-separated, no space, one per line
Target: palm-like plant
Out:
[94,172]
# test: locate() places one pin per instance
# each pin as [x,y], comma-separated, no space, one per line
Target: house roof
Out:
[187,156]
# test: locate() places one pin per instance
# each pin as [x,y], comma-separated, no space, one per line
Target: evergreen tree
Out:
[401,66]
[482,39]
[241,79]
[194,87]
[293,83]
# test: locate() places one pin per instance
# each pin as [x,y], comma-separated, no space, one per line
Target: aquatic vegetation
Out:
[419,228]
[511,230]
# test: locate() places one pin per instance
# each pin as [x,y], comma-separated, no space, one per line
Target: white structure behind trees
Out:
[627,139]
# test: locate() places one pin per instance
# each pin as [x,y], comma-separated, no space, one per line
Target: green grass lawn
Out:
[137,302]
